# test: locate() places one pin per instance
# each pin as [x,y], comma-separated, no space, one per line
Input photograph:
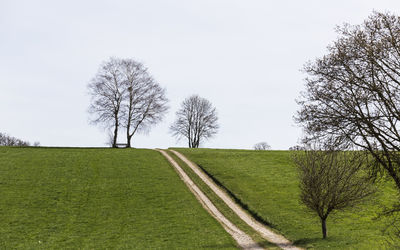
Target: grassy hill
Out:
[99,198]
[266,183]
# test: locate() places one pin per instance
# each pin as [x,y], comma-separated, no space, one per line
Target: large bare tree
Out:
[144,102]
[352,95]
[332,181]
[107,91]
[196,120]
[125,95]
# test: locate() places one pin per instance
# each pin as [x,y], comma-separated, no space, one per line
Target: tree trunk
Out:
[115,135]
[128,126]
[323,223]
[128,141]
[191,142]
[128,136]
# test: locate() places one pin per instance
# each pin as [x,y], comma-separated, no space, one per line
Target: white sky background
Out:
[244,56]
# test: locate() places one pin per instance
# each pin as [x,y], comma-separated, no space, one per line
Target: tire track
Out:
[265,232]
[242,239]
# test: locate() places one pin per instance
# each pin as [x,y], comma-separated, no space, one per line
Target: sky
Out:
[243,56]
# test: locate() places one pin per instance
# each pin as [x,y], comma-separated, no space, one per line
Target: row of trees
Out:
[7,140]
[351,102]
[124,94]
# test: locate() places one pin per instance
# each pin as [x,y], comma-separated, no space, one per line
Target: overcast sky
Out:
[244,56]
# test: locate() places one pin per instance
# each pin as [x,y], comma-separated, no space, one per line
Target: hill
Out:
[265,183]
[99,198]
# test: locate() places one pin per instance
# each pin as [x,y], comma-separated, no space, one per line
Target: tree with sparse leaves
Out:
[352,95]
[332,181]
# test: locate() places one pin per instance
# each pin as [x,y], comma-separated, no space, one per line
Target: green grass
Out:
[266,182]
[222,207]
[55,198]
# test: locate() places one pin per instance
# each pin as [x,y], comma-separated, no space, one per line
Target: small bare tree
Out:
[196,120]
[106,90]
[144,102]
[6,140]
[262,146]
[332,181]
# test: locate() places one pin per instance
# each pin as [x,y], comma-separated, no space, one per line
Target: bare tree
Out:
[124,94]
[107,91]
[144,102]
[6,140]
[196,120]
[352,94]
[262,146]
[332,181]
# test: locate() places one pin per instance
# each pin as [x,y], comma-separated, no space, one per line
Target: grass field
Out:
[56,198]
[222,207]
[266,182]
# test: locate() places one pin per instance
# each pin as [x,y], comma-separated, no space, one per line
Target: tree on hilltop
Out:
[196,120]
[124,94]
[262,146]
[144,102]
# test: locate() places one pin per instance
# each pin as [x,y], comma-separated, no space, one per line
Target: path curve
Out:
[266,233]
[243,240]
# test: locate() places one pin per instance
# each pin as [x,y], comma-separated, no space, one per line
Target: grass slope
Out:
[97,199]
[222,207]
[266,182]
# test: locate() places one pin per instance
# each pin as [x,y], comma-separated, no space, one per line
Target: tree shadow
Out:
[309,242]
[222,246]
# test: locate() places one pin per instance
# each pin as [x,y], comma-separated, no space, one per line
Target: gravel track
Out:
[242,239]
[265,232]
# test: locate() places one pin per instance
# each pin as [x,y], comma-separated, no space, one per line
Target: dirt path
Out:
[266,233]
[243,240]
